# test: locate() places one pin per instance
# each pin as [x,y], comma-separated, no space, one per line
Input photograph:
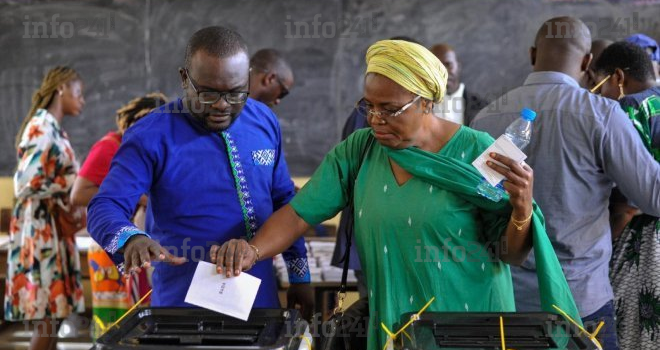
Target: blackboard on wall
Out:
[125,48]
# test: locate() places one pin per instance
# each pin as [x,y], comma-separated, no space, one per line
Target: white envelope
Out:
[232,296]
[503,146]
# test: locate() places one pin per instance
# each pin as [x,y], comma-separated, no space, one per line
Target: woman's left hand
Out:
[519,182]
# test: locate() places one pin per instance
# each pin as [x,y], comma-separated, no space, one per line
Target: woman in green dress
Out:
[421,228]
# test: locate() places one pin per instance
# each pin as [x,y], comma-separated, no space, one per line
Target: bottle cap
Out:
[528,114]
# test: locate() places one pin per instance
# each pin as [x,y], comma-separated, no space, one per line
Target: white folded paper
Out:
[503,146]
[232,296]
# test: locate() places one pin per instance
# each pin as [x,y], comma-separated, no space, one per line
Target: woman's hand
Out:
[519,183]
[233,257]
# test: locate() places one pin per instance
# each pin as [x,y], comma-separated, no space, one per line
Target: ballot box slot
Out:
[521,336]
[167,328]
[534,330]
[185,328]
[186,339]
[200,333]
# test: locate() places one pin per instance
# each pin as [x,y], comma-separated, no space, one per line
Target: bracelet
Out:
[520,223]
[256,252]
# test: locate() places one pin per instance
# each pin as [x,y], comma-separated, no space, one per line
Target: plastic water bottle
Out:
[519,133]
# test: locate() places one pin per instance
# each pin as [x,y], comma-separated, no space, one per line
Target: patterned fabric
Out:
[635,265]
[43,269]
[122,236]
[298,270]
[635,275]
[297,267]
[641,118]
[241,186]
[264,157]
[112,295]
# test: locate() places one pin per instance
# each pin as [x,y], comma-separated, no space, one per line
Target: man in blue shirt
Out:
[582,144]
[213,167]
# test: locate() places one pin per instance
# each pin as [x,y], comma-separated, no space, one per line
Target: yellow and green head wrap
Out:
[410,65]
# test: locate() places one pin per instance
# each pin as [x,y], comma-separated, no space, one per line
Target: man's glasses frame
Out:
[284,90]
[211,97]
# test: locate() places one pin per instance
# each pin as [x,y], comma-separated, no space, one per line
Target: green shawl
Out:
[463,179]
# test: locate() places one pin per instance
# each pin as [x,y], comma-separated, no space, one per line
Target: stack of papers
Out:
[333,274]
[319,257]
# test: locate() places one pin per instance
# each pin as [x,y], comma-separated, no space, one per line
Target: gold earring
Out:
[621,94]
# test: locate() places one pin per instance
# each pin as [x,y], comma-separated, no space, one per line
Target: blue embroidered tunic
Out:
[204,188]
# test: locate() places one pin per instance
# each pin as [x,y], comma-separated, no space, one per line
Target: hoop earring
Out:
[621,94]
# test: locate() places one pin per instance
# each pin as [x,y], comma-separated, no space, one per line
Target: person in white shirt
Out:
[459,105]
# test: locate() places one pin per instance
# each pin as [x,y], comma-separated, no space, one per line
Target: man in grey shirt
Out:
[581,145]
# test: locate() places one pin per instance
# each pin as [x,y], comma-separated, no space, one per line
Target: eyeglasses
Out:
[366,110]
[284,90]
[211,97]
[595,88]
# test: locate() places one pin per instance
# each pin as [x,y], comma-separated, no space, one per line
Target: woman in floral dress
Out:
[43,275]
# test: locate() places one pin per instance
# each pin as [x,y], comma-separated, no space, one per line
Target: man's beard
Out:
[205,118]
[212,126]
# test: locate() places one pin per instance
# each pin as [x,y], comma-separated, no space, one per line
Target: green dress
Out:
[418,240]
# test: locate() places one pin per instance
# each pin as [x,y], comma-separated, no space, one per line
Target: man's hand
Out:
[141,250]
[301,294]
[233,256]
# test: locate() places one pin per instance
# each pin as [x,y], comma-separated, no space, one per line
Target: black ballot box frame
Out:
[476,330]
[154,328]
